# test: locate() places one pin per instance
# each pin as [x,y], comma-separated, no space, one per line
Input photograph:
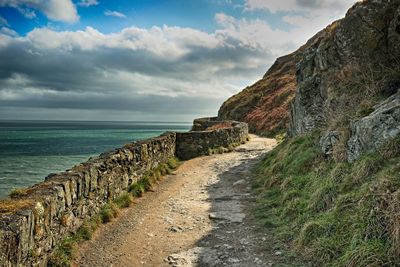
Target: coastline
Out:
[37,219]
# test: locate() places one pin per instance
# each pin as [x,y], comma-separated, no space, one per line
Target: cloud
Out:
[58,10]
[8,31]
[114,14]
[87,3]
[158,70]
[305,17]
[298,5]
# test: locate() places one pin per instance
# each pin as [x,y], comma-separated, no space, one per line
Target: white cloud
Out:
[299,5]
[310,15]
[305,17]
[114,14]
[59,10]
[8,31]
[87,3]
[158,70]
[258,34]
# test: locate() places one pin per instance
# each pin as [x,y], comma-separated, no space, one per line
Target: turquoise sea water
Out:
[30,150]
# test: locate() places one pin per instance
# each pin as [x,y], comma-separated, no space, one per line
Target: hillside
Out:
[265,104]
[331,191]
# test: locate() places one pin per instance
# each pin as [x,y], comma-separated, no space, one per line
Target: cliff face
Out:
[265,104]
[337,84]
[345,78]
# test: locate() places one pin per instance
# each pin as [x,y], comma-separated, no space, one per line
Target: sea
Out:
[30,150]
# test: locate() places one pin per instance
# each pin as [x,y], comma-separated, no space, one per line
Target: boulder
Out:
[371,132]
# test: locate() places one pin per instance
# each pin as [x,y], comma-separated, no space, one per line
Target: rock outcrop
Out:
[332,84]
[366,39]
[371,132]
[346,72]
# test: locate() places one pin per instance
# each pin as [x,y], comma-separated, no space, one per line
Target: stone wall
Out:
[35,223]
[37,219]
[202,124]
[198,143]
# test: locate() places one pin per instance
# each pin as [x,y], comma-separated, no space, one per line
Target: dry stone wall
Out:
[33,223]
[198,143]
[202,124]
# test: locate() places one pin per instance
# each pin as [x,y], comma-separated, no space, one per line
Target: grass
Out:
[12,205]
[332,213]
[222,150]
[67,250]
[18,192]
[138,188]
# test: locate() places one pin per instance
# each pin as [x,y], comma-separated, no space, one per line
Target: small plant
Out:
[108,212]
[173,163]
[140,187]
[124,201]
[280,138]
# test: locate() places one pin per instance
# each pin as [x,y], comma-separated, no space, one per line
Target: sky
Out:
[144,60]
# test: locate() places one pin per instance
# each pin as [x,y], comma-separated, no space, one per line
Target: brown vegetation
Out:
[222,125]
[265,104]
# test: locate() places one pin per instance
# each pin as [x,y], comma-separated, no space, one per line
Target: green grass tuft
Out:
[124,201]
[108,212]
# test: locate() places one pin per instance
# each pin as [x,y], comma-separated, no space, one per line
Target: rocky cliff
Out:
[331,190]
[338,84]
[347,81]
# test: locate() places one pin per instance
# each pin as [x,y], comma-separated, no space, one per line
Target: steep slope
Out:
[331,191]
[342,77]
[265,104]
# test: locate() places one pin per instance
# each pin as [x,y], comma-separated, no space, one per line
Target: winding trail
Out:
[198,216]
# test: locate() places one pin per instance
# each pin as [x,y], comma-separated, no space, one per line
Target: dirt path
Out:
[199,216]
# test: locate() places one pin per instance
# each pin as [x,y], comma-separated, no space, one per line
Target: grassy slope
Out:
[265,104]
[332,213]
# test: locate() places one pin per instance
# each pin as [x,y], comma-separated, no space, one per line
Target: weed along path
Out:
[198,216]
